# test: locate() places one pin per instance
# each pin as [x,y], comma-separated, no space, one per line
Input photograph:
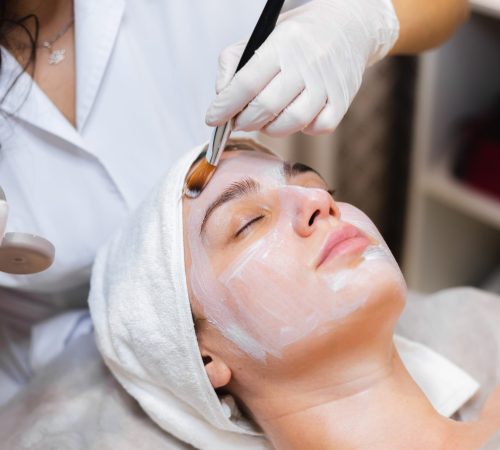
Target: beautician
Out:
[120,89]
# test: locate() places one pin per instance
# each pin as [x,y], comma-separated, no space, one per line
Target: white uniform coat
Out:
[145,75]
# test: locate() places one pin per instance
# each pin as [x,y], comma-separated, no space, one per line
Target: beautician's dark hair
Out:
[29,24]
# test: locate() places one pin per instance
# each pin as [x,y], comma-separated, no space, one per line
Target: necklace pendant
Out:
[57,56]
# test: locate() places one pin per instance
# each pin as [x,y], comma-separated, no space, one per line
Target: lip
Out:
[346,239]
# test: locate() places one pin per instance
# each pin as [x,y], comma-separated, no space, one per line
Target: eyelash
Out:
[248,224]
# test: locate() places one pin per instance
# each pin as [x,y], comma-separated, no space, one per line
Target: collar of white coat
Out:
[96,27]
[445,385]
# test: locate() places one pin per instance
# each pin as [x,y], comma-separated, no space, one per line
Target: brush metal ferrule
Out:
[218,141]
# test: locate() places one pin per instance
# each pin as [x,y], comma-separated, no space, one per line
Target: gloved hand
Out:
[309,69]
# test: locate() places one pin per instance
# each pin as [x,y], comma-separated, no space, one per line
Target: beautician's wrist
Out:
[426,24]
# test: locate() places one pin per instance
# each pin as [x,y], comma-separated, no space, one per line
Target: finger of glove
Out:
[228,62]
[340,91]
[275,97]
[325,122]
[245,85]
[298,114]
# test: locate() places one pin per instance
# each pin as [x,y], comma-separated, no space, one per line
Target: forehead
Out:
[235,165]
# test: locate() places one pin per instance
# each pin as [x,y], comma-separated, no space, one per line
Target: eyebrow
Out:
[292,170]
[247,186]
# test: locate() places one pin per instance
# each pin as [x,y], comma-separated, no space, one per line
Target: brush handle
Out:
[265,25]
[217,142]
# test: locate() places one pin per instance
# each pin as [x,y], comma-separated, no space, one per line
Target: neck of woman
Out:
[51,14]
[376,405]
[46,10]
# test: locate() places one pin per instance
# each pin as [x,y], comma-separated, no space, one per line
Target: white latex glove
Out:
[309,69]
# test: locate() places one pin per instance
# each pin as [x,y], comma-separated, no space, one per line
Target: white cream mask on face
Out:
[271,295]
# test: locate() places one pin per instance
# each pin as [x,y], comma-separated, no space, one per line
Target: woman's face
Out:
[279,269]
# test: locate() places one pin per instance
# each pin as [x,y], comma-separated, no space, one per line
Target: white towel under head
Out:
[145,332]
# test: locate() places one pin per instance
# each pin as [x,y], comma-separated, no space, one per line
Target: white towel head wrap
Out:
[144,329]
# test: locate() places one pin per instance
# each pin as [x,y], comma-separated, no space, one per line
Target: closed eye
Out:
[248,224]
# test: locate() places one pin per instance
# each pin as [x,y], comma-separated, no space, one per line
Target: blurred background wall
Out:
[419,152]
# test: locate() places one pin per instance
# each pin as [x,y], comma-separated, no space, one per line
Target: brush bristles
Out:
[198,179]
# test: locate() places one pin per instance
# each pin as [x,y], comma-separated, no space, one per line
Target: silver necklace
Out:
[56,55]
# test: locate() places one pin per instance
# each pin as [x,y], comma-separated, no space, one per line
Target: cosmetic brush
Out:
[202,174]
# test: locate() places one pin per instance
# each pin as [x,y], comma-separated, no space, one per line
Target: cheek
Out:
[255,302]
[269,298]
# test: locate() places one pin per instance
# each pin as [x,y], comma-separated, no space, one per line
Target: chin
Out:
[368,308]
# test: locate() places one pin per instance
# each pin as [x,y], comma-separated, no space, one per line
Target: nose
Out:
[312,206]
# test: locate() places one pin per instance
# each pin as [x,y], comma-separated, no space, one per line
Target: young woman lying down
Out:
[262,314]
